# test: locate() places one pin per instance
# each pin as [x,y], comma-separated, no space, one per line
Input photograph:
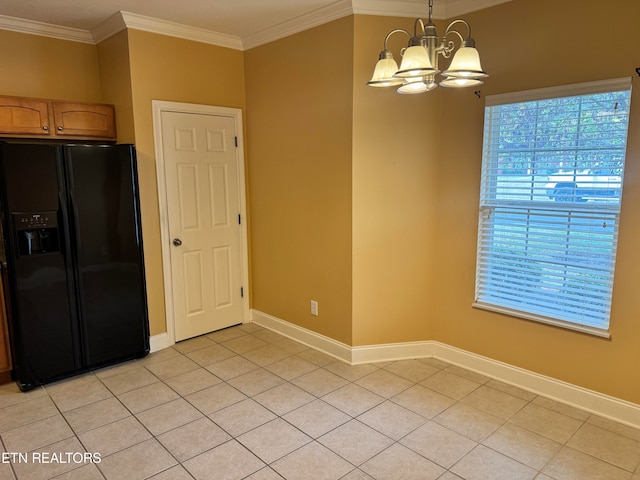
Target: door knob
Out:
[177,242]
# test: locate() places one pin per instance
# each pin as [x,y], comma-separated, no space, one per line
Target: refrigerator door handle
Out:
[64,233]
[76,249]
[75,223]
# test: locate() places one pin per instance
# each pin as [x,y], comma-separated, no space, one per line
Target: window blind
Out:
[552,173]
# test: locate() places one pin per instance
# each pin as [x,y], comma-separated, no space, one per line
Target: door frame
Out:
[160,106]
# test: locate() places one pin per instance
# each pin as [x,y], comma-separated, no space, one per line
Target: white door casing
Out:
[200,170]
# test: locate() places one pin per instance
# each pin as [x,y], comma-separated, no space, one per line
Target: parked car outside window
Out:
[579,186]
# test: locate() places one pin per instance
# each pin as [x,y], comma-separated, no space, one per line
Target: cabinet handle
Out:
[60,128]
[45,127]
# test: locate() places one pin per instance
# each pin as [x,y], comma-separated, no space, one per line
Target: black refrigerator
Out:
[73,244]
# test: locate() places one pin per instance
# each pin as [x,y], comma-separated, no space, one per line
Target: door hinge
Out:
[236,139]
[241,292]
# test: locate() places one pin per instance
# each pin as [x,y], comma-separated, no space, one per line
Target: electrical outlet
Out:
[314,308]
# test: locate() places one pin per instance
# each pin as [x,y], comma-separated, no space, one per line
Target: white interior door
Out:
[203,209]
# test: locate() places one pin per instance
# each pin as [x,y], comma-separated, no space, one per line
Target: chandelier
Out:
[419,66]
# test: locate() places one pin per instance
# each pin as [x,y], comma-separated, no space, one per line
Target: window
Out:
[552,170]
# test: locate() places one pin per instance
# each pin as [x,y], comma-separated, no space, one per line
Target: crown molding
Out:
[461,7]
[172,29]
[386,8]
[408,8]
[45,29]
[112,25]
[339,9]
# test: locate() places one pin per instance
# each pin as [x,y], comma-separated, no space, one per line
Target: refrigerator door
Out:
[105,220]
[40,268]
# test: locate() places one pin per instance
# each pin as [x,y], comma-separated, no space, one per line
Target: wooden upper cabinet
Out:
[24,116]
[84,120]
[53,119]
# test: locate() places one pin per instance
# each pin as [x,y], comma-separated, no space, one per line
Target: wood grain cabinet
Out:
[53,119]
[24,116]
[84,120]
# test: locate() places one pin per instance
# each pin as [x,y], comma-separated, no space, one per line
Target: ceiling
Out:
[250,22]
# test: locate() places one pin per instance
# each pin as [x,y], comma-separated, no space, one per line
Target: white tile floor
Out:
[248,403]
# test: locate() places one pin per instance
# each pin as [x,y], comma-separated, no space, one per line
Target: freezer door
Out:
[103,199]
[40,268]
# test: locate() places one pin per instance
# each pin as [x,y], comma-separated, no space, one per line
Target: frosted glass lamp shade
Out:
[383,74]
[417,85]
[412,88]
[415,63]
[460,82]
[465,64]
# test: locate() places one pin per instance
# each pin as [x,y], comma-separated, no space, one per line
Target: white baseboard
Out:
[158,342]
[567,393]
[336,349]
[593,402]
[391,352]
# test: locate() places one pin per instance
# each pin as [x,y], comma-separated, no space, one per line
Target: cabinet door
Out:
[24,116]
[84,120]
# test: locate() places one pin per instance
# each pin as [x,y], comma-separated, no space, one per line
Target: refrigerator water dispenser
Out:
[37,232]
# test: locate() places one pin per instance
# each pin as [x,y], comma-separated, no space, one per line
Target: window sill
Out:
[599,332]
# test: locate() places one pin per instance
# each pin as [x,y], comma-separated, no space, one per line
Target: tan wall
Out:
[115,76]
[35,66]
[528,44]
[396,152]
[172,69]
[299,110]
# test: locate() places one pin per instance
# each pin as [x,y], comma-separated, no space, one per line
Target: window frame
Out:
[493,204]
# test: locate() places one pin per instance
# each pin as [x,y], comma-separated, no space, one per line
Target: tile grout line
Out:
[351,417]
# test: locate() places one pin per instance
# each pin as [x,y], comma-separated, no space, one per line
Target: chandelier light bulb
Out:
[460,82]
[413,86]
